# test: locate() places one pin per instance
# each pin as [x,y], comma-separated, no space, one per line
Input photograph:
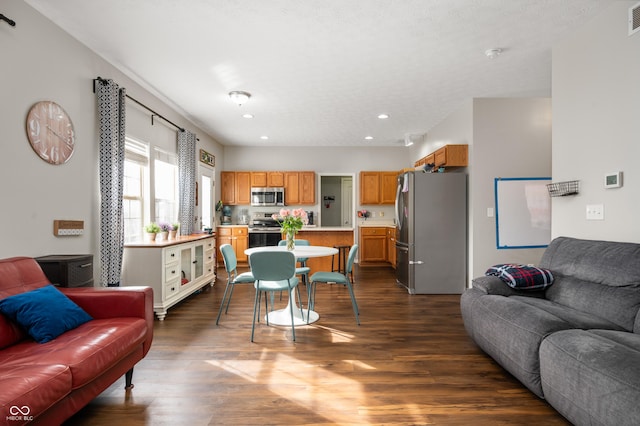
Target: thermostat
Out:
[613,180]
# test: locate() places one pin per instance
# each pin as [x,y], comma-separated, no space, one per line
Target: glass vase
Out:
[291,244]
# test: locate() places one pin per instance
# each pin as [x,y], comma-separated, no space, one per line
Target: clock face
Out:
[50,132]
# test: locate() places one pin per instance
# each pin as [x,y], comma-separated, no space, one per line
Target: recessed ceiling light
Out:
[383,116]
[247,115]
[264,137]
[368,138]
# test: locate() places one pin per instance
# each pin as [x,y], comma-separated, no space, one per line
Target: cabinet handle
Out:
[173,272]
[86,265]
[173,255]
[194,262]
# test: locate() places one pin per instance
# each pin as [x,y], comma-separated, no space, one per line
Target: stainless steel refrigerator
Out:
[431,243]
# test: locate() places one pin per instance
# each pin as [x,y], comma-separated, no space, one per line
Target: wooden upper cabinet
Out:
[275,179]
[267,179]
[291,188]
[228,187]
[259,179]
[307,187]
[243,188]
[389,185]
[369,187]
[447,156]
[378,187]
[299,188]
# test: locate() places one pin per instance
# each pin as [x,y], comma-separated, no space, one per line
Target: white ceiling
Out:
[320,71]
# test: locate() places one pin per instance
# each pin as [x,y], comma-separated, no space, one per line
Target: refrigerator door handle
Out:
[416,262]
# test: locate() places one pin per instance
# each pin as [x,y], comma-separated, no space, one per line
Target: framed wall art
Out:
[207,158]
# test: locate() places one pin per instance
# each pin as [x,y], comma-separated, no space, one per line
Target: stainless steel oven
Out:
[260,238]
[264,231]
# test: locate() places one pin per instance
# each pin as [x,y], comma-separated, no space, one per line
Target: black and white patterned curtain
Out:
[186,180]
[111,111]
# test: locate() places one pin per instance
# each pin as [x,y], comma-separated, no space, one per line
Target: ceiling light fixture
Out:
[410,138]
[493,53]
[368,138]
[264,137]
[247,115]
[239,96]
[383,116]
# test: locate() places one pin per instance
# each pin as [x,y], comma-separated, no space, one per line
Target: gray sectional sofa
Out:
[576,343]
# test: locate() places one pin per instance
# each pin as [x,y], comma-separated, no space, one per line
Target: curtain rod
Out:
[103,81]
[7,20]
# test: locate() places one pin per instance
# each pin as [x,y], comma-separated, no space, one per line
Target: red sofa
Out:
[46,383]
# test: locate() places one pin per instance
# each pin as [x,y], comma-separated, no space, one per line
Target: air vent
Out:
[634,19]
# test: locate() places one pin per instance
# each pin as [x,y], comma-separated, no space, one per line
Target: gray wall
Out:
[41,62]
[596,126]
[507,137]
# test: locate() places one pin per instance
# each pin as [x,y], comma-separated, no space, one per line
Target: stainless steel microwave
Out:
[267,196]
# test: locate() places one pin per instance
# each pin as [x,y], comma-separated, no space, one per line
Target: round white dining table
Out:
[283,316]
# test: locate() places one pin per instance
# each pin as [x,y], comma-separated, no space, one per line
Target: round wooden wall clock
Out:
[50,132]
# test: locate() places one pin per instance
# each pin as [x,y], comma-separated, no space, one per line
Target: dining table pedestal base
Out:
[283,316]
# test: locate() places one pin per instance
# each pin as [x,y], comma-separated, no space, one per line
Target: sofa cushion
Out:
[599,277]
[590,376]
[45,313]
[89,350]
[522,277]
[30,389]
[510,330]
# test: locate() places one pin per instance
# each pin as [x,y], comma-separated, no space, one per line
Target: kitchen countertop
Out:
[314,228]
[165,243]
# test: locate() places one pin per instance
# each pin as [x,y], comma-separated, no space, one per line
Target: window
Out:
[165,187]
[135,169]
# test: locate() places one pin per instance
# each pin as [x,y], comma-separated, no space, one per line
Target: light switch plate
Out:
[595,212]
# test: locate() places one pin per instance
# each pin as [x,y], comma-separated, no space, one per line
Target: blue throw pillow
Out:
[522,277]
[45,313]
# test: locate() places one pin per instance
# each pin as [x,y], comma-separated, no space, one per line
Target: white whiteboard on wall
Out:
[523,212]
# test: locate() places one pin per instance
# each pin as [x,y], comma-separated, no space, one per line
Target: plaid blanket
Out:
[522,277]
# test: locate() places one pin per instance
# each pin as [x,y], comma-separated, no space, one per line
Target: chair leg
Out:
[293,326]
[224,297]
[356,311]
[256,304]
[233,286]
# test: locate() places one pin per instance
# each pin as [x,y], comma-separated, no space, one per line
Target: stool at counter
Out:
[68,270]
[343,251]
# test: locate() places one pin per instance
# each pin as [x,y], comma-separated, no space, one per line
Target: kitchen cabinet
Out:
[299,188]
[391,246]
[373,245]
[174,270]
[267,179]
[237,237]
[378,187]
[235,188]
[448,156]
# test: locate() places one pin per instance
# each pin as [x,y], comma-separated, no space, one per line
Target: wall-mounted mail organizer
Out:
[562,189]
[65,228]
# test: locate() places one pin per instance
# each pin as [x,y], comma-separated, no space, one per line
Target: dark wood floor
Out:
[410,362]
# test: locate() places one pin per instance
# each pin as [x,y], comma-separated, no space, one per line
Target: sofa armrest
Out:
[116,302]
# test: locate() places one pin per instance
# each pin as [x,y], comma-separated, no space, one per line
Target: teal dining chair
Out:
[233,278]
[273,271]
[338,278]
[302,270]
